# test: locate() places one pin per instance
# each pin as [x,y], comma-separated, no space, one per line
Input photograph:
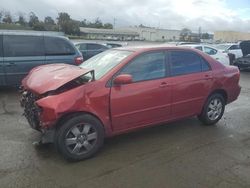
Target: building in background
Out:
[131,33]
[154,34]
[230,36]
[108,34]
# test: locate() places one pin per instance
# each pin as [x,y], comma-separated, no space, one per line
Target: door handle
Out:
[163,84]
[208,77]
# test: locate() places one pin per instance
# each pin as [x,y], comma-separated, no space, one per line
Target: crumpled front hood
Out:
[50,77]
[245,47]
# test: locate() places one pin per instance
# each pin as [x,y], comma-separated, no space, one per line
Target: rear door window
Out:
[58,46]
[21,45]
[182,62]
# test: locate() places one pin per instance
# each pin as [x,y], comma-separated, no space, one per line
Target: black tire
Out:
[68,133]
[205,117]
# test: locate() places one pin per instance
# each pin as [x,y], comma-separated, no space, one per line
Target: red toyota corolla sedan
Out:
[124,89]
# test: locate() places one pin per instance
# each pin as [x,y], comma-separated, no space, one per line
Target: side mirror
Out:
[123,79]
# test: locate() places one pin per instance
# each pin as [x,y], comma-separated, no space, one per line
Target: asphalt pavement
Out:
[179,154]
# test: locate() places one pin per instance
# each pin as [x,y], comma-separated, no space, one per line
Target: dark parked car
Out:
[89,50]
[244,61]
[124,89]
[22,51]
[113,45]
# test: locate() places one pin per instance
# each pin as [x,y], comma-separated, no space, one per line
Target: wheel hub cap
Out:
[214,109]
[81,139]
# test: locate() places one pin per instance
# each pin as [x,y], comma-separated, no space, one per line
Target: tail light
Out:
[78,60]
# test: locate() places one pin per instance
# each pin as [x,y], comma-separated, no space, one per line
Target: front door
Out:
[145,101]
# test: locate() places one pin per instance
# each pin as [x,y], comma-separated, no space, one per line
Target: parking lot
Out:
[180,154]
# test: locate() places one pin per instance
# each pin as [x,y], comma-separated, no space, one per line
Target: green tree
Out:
[67,25]
[39,26]
[205,36]
[98,23]
[33,19]
[185,34]
[75,29]
[63,19]
[21,20]
[7,18]
[108,26]
[83,23]
[49,20]
[1,15]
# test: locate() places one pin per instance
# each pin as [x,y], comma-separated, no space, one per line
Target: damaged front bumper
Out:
[32,113]
[31,110]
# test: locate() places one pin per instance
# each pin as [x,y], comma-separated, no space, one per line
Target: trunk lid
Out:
[47,78]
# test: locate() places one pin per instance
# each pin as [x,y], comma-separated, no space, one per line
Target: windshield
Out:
[105,61]
[223,46]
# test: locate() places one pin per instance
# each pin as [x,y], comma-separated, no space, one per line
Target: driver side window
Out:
[148,66]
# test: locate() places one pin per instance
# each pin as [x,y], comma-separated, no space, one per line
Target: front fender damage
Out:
[54,106]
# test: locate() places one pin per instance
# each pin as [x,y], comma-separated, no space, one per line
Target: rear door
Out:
[59,50]
[145,101]
[2,75]
[192,81]
[21,54]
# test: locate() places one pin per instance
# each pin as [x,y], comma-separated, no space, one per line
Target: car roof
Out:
[32,33]
[195,45]
[154,47]
[77,43]
[228,44]
[87,43]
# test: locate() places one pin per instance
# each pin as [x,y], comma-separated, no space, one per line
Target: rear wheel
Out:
[80,137]
[213,109]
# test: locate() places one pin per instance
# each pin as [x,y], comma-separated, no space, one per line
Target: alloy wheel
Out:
[214,109]
[80,139]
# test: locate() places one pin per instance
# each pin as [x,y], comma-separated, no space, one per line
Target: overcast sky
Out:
[210,15]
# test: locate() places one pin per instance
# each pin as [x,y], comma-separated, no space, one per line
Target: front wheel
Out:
[213,110]
[80,137]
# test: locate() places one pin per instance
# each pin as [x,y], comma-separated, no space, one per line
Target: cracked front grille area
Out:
[31,110]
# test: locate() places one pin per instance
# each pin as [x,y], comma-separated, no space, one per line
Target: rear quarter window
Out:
[58,46]
[21,45]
